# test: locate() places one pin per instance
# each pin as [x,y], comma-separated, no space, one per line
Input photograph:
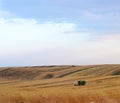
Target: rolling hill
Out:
[47,72]
[55,84]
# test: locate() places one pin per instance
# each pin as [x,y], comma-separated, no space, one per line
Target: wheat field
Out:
[59,87]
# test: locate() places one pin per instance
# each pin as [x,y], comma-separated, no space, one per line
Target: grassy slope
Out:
[46,72]
[54,84]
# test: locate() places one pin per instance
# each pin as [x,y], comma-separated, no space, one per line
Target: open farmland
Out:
[55,84]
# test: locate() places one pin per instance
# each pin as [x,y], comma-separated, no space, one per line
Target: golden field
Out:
[55,84]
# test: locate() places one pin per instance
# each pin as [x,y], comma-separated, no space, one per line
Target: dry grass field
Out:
[55,84]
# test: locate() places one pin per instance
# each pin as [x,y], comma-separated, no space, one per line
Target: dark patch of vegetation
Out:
[80,83]
[36,66]
[49,76]
[52,66]
[73,66]
[116,73]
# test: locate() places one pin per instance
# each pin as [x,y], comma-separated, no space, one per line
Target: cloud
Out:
[18,21]
[4,13]
[3,21]
[101,16]
[22,21]
[19,33]
[92,15]
[30,29]
[108,36]
[29,42]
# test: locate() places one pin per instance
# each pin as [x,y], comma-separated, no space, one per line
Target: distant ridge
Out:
[47,72]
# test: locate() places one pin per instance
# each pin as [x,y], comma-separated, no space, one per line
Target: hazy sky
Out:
[59,32]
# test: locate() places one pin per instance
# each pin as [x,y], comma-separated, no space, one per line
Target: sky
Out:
[63,32]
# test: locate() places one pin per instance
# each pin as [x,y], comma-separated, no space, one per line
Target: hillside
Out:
[47,72]
[55,84]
